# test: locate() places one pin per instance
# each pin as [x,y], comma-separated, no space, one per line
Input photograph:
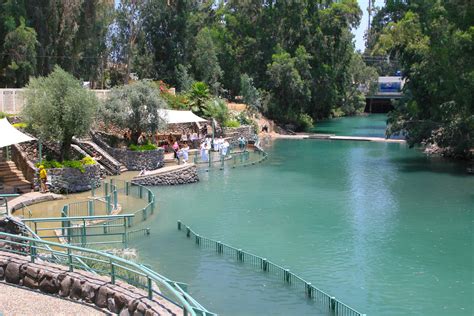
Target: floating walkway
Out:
[349,138]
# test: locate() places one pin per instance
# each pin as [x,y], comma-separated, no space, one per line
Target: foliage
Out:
[435,47]
[176,102]
[359,76]
[20,47]
[206,63]
[75,164]
[58,108]
[184,78]
[88,160]
[20,125]
[198,96]
[136,106]
[216,109]
[231,123]
[71,34]
[145,147]
[250,94]
[304,122]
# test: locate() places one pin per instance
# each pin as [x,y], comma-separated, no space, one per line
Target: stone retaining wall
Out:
[119,298]
[133,160]
[173,175]
[73,180]
[233,134]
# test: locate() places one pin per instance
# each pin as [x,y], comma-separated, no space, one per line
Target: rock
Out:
[124,312]
[30,282]
[120,300]
[111,305]
[12,273]
[2,273]
[76,289]
[101,297]
[32,272]
[132,306]
[89,291]
[65,286]
[48,284]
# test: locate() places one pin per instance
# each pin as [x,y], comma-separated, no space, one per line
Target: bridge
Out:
[388,88]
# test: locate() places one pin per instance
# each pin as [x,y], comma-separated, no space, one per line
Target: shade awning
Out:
[178,117]
[10,135]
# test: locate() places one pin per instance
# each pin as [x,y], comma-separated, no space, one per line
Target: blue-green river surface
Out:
[385,229]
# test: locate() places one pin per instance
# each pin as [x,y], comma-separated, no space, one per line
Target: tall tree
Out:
[57,107]
[206,64]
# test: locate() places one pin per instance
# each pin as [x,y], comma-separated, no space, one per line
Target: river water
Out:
[380,226]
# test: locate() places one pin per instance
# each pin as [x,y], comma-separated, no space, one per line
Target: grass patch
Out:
[145,147]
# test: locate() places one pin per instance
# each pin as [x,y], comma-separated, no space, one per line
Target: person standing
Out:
[176,149]
[204,149]
[185,152]
[43,175]
[242,142]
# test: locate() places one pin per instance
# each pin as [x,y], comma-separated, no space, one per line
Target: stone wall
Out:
[87,288]
[73,180]
[23,164]
[172,175]
[133,160]
[233,134]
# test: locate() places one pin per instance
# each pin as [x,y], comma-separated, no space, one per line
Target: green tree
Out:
[206,63]
[198,96]
[217,109]
[58,108]
[250,94]
[361,78]
[135,106]
[435,47]
[184,78]
[20,48]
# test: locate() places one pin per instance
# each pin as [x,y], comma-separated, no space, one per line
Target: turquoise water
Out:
[373,125]
[383,228]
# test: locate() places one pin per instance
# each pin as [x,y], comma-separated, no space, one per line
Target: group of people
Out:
[181,152]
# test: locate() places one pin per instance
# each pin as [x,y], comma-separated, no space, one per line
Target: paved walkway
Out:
[32,198]
[16,301]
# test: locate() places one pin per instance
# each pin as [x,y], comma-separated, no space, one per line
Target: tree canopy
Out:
[135,106]
[57,107]
[434,44]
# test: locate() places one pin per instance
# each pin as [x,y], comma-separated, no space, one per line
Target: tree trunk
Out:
[65,148]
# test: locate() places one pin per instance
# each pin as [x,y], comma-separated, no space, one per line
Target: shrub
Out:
[145,147]
[217,109]
[88,160]
[231,123]
[20,125]
[176,102]
[304,122]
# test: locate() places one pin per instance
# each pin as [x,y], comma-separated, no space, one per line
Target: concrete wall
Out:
[235,132]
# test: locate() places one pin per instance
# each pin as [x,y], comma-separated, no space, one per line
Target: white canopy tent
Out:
[10,135]
[178,117]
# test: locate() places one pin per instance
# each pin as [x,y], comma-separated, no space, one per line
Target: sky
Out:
[359,32]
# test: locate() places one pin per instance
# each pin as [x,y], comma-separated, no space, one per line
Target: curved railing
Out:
[105,263]
[325,301]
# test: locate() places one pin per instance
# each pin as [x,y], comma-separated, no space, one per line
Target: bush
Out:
[88,160]
[304,122]
[75,164]
[176,102]
[145,147]
[231,123]
[217,109]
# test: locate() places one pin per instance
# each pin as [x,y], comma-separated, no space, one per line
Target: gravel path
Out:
[16,301]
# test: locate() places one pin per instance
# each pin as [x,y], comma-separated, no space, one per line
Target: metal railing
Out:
[106,264]
[83,230]
[233,158]
[325,301]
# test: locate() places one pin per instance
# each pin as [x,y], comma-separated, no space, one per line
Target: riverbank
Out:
[332,137]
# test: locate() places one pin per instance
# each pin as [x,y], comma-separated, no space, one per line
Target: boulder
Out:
[12,273]
[102,296]
[65,285]
[76,289]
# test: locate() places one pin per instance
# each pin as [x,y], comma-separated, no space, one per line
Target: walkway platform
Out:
[18,301]
[32,198]
[347,138]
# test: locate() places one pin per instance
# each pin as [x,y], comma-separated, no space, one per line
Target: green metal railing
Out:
[234,158]
[106,264]
[327,302]
[83,230]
